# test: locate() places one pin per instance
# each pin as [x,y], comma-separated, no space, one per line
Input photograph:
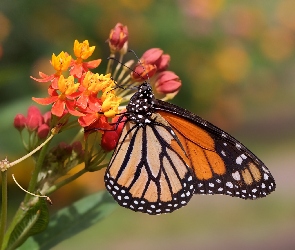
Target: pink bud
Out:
[19,122]
[118,37]
[33,110]
[43,131]
[152,56]
[33,122]
[164,62]
[47,117]
[167,82]
[34,118]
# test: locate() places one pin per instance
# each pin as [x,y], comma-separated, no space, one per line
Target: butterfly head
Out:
[140,107]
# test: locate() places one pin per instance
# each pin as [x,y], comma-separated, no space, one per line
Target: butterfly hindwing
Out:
[148,171]
[221,164]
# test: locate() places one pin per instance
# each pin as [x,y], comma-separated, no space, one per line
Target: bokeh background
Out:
[236,60]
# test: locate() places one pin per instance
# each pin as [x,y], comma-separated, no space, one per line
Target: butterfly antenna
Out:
[118,61]
[148,77]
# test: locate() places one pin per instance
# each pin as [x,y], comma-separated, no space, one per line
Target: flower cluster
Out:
[94,98]
[153,65]
[82,93]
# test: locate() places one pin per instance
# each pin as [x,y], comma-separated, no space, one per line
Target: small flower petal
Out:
[71,105]
[45,101]
[58,108]
[88,119]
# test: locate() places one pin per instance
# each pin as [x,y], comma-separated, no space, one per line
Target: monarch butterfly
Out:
[166,154]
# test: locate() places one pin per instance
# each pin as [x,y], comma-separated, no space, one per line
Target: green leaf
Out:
[73,219]
[34,221]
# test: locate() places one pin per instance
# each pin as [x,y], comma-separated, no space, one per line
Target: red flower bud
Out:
[118,37]
[33,122]
[47,117]
[109,140]
[143,72]
[34,118]
[167,82]
[33,110]
[163,63]
[152,56]
[19,122]
[43,131]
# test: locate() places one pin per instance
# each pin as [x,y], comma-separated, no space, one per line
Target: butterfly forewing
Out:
[221,164]
[148,170]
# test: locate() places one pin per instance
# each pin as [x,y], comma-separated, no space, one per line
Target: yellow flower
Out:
[61,62]
[96,82]
[110,105]
[82,50]
[67,86]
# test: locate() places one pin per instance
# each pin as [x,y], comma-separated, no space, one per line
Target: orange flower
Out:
[107,106]
[65,99]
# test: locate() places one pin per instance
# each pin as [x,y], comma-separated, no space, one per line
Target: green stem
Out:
[69,125]
[66,181]
[3,207]
[110,63]
[36,171]
[119,65]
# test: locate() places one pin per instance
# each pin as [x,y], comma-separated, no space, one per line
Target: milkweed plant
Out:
[91,103]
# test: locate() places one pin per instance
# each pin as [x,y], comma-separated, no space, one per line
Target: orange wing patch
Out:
[189,130]
[198,145]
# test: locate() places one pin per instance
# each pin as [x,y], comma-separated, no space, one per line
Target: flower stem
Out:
[119,65]
[3,207]
[66,181]
[36,171]
[110,64]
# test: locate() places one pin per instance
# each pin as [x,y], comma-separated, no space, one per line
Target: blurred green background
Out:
[236,60]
